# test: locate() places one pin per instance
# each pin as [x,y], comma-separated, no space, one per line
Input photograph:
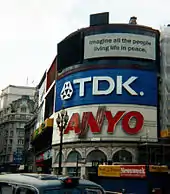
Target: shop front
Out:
[102,134]
[44,161]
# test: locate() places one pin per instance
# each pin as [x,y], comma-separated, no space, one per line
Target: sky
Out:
[31,29]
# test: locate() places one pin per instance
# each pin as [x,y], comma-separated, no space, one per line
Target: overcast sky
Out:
[31,29]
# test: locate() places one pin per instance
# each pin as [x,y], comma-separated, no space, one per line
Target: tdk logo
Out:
[67,91]
[116,85]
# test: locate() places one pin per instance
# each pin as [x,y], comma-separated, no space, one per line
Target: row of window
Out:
[20,132]
[22,109]
[2,158]
[10,142]
[19,150]
[119,156]
[13,125]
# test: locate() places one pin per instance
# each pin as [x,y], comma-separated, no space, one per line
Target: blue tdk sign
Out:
[107,86]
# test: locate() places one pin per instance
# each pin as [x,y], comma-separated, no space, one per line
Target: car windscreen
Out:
[74,191]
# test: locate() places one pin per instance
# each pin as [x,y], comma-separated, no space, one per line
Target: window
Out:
[20,141]
[23,117]
[72,171]
[22,125]
[6,189]
[8,158]
[23,109]
[74,191]
[9,149]
[20,132]
[6,133]
[19,125]
[19,150]
[122,156]
[10,142]
[11,133]
[25,191]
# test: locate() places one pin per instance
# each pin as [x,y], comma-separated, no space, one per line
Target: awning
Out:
[21,167]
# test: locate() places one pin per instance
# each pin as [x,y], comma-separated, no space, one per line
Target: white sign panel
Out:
[41,92]
[40,118]
[119,45]
[109,122]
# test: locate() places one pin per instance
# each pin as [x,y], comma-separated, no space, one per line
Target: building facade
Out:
[44,128]
[29,155]
[109,87]
[13,118]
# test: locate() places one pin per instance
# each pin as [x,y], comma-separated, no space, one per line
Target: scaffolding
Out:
[165,78]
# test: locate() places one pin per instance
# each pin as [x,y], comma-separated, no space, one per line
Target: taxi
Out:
[26,183]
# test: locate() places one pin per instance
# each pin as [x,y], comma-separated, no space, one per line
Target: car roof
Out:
[40,180]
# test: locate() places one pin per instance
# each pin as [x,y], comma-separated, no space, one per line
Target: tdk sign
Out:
[118,86]
[107,86]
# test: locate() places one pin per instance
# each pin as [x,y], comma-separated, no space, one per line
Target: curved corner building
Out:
[107,82]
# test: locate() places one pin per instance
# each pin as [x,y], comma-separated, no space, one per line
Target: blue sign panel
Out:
[17,157]
[107,86]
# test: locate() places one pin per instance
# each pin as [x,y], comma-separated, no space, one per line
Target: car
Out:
[4,173]
[32,183]
[112,192]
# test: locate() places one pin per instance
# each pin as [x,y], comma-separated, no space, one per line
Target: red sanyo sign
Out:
[95,123]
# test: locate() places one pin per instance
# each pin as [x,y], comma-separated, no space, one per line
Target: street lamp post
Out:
[77,165]
[61,121]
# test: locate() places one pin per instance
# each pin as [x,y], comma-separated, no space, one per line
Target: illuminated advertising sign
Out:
[51,75]
[157,168]
[120,45]
[109,122]
[124,171]
[109,170]
[114,86]
[47,123]
[44,156]
[40,158]
[95,123]
[133,171]
[165,133]
[41,92]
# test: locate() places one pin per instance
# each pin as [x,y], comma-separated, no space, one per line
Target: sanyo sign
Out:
[117,85]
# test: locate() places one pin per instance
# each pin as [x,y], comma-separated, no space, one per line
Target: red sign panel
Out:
[133,171]
[40,158]
[51,74]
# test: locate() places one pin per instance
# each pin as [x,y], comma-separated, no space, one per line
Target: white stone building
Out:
[16,109]
[11,93]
